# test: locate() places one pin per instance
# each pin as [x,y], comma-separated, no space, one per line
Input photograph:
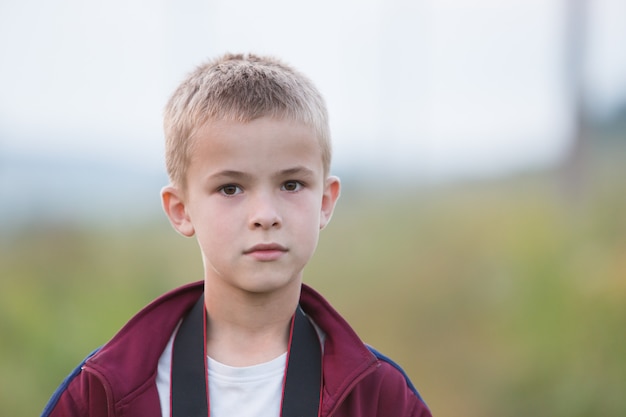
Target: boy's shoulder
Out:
[349,364]
[388,390]
[387,360]
[128,360]
[125,365]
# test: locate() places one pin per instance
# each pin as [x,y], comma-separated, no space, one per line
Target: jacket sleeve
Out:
[79,395]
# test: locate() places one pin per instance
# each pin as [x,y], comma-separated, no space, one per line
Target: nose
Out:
[264,212]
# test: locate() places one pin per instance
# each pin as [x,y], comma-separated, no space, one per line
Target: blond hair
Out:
[240,88]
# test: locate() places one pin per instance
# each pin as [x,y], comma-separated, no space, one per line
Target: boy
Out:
[248,156]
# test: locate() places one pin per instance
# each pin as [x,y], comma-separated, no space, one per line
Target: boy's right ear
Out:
[173,202]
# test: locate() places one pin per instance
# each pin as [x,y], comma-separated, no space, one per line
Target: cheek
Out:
[211,213]
[309,224]
[307,213]
[212,228]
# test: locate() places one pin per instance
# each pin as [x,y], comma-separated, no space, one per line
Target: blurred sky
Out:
[426,88]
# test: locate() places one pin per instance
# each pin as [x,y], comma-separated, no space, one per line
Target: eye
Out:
[291,186]
[230,190]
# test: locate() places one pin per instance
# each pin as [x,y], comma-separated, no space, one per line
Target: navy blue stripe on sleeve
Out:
[59,391]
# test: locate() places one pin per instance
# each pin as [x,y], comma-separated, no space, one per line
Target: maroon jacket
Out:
[118,380]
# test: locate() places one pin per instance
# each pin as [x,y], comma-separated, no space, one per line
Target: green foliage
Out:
[503,298]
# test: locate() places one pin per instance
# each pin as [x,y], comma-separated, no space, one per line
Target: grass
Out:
[498,298]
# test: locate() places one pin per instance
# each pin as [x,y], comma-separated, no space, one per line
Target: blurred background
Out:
[481,236]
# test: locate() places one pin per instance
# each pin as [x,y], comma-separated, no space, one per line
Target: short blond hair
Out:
[241,88]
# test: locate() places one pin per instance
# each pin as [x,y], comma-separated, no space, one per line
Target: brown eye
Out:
[230,189]
[292,186]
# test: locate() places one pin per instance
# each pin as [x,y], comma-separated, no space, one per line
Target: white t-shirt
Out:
[251,391]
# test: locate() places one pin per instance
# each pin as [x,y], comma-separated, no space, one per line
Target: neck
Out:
[245,329]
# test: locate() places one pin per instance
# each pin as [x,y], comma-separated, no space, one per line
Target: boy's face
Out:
[256,199]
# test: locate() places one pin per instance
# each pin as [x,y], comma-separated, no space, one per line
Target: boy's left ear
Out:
[332,189]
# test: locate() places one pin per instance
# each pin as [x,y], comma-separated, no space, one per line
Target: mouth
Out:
[266,251]
[266,247]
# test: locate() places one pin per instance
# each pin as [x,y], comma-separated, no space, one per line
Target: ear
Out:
[173,202]
[332,189]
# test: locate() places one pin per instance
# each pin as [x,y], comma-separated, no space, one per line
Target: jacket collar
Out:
[346,359]
[129,360]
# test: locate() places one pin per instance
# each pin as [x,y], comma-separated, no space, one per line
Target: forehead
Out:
[257,143]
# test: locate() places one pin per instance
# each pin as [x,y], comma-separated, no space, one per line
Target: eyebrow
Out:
[298,170]
[230,174]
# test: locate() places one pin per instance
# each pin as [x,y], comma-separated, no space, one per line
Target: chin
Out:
[267,287]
